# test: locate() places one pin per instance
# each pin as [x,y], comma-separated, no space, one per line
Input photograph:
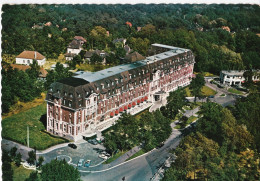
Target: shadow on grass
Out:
[43,120]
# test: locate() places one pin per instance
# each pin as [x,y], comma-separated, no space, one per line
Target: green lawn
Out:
[15,128]
[190,120]
[140,152]
[114,157]
[20,173]
[234,91]
[92,68]
[206,91]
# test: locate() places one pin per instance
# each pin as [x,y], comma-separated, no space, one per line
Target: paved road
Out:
[147,165]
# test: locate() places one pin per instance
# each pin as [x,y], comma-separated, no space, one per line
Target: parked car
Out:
[87,163]
[72,145]
[105,153]
[93,141]
[80,163]
[211,96]
[103,156]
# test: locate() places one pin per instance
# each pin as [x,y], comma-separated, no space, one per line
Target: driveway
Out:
[84,151]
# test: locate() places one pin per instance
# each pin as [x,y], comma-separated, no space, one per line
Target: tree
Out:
[6,166]
[32,157]
[40,161]
[34,70]
[96,59]
[77,60]
[196,85]
[112,59]
[34,176]
[120,52]
[18,159]
[175,102]
[13,152]
[59,170]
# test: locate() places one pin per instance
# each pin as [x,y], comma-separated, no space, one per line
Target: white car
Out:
[103,156]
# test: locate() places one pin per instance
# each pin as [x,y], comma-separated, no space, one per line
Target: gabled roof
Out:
[20,67]
[119,40]
[75,44]
[43,72]
[31,55]
[80,38]
[135,56]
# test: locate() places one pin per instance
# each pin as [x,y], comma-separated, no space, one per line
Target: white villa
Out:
[27,57]
[234,77]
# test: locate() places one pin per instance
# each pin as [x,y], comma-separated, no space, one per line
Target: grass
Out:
[234,91]
[22,106]
[206,91]
[114,157]
[140,152]
[190,120]
[20,173]
[138,115]
[15,128]
[223,95]
[208,74]
[92,68]
[188,92]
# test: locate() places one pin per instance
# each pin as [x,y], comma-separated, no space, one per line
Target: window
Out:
[71,95]
[130,76]
[58,90]
[97,88]
[70,104]
[64,101]
[108,85]
[64,127]
[95,99]
[65,93]
[112,83]
[78,95]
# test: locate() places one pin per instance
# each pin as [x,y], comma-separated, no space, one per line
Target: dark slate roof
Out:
[119,40]
[75,44]
[74,82]
[133,57]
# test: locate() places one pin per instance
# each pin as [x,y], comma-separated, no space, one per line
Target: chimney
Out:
[35,55]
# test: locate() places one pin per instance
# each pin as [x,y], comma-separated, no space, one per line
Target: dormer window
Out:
[51,89]
[130,76]
[58,90]
[71,95]
[97,88]
[91,91]
[108,85]
[86,93]
[65,93]
[112,83]
[78,95]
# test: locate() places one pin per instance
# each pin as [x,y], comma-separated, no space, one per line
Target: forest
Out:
[49,28]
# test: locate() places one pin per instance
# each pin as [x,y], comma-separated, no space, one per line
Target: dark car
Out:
[211,96]
[72,145]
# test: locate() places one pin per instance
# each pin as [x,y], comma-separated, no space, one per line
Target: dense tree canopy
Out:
[59,170]
[197,27]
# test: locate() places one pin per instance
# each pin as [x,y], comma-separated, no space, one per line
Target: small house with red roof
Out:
[27,57]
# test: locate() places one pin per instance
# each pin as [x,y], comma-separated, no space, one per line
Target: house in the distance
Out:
[27,57]
[120,40]
[133,57]
[75,47]
[101,53]
[42,72]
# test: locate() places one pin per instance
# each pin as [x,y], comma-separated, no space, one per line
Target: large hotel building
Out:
[90,102]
